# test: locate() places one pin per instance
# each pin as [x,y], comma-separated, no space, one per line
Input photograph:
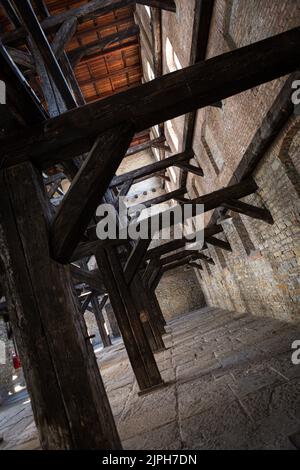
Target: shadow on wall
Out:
[179,292]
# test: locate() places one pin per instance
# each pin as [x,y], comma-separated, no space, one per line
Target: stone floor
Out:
[232,386]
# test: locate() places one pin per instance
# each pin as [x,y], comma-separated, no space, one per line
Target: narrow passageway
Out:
[231,385]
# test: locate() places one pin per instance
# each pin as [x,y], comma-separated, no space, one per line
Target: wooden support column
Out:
[69,401]
[100,322]
[148,313]
[135,340]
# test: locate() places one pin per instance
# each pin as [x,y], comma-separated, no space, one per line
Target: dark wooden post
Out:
[69,401]
[100,322]
[134,337]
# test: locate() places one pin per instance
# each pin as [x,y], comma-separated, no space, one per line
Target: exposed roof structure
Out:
[86,88]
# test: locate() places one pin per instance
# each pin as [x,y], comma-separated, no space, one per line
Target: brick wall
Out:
[261,274]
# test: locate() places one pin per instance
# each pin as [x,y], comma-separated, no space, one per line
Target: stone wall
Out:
[261,273]
[179,292]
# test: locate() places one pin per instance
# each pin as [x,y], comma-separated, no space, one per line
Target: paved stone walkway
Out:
[232,386]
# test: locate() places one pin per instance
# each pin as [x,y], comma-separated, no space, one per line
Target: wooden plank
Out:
[69,401]
[85,193]
[135,341]
[160,100]
[150,169]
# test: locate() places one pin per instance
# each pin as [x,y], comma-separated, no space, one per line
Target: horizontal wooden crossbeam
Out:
[173,245]
[218,243]
[249,210]
[148,170]
[92,278]
[157,200]
[160,100]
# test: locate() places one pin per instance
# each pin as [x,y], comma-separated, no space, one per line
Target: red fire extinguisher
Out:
[15,356]
[16,361]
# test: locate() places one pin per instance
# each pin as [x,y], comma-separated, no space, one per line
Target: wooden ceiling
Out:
[103,65]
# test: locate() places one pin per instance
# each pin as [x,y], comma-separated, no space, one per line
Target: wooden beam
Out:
[100,322]
[177,264]
[87,190]
[200,36]
[89,248]
[11,13]
[86,302]
[20,95]
[146,145]
[135,341]
[150,169]
[219,243]
[21,58]
[160,100]
[135,259]
[63,36]
[71,78]
[35,30]
[92,278]
[75,59]
[249,210]
[100,44]
[193,254]
[168,5]
[173,245]
[157,200]
[187,167]
[195,265]
[272,124]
